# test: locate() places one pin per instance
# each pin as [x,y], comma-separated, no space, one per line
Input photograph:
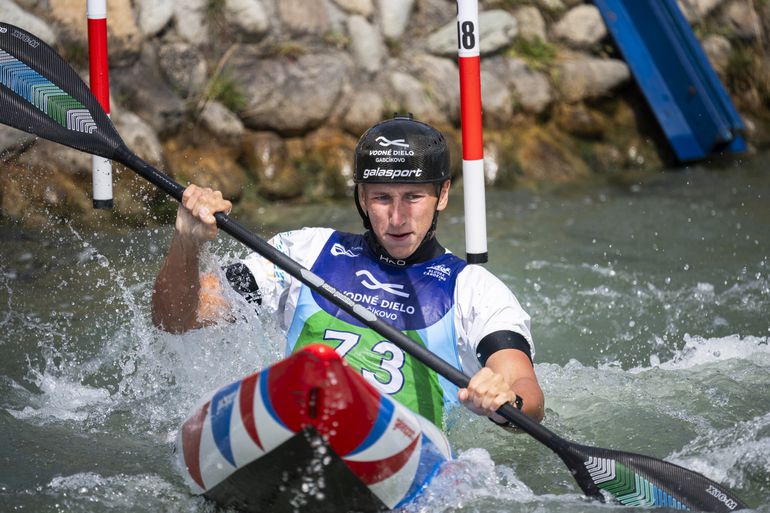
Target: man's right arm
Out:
[182,299]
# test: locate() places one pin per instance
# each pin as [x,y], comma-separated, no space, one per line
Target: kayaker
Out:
[397,269]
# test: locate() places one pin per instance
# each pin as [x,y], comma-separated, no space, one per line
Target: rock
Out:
[588,77]
[743,19]
[28,4]
[697,10]
[498,29]
[329,158]
[284,94]
[125,39]
[184,68]
[430,15]
[531,23]
[53,156]
[532,91]
[268,159]
[304,16]
[336,31]
[544,155]
[581,27]
[190,20]
[13,141]
[36,195]
[531,88]
[138,135]
[206,163]
[363,7]
[366,108]
[410,95]
[440,81]
[143,90]
[13,14]
[552,5]
[496,101]
[154,15]
[718,50]
[248,16]
[394,17]
[219,120]
[580,121]
[606,158]
[367,45]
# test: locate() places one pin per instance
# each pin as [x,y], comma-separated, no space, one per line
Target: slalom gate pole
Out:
[101,168]
[472,131]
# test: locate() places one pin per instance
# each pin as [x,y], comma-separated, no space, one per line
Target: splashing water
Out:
[649,308]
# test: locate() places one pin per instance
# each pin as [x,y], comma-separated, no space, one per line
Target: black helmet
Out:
[401,150]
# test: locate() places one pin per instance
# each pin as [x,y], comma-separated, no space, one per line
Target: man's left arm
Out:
[490,315]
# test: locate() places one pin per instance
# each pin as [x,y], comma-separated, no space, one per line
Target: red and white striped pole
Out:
[472,131]
[101,168]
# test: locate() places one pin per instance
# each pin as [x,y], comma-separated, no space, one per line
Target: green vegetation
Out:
[747,70]
[507,4]
[288,48]
[225,89]
[538,54]
[337,39]
[214,8]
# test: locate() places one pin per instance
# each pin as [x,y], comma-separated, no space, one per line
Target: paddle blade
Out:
[638,480]
[41,94]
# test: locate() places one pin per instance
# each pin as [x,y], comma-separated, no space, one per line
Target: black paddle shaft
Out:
[41,94]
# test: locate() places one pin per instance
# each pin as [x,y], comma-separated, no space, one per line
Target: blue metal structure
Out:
[675,76]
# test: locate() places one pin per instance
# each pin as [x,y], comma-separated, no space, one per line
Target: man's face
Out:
[401,214]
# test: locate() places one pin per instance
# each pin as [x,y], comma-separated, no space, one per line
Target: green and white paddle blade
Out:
[638,480]
[40,93]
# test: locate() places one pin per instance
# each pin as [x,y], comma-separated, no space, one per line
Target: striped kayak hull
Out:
[308,433]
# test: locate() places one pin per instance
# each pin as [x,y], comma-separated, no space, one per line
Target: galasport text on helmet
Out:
[401,150]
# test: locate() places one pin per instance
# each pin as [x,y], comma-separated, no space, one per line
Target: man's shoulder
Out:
[476,276]
[301,241]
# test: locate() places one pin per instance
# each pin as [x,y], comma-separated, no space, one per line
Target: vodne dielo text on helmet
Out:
[395,153]
[392,173]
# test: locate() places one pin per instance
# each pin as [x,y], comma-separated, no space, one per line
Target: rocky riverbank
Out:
[265,99]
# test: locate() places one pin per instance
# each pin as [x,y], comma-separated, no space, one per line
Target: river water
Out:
[650,303]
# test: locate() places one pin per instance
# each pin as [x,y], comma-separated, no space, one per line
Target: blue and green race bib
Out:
[416,299]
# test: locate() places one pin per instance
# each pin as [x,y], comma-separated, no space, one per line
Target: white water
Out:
[652,337]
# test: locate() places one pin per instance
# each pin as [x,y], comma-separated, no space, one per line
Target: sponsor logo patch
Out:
[384,141]
[371,283]
[402,426]
[340,250]
[392,173]
[438,271]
